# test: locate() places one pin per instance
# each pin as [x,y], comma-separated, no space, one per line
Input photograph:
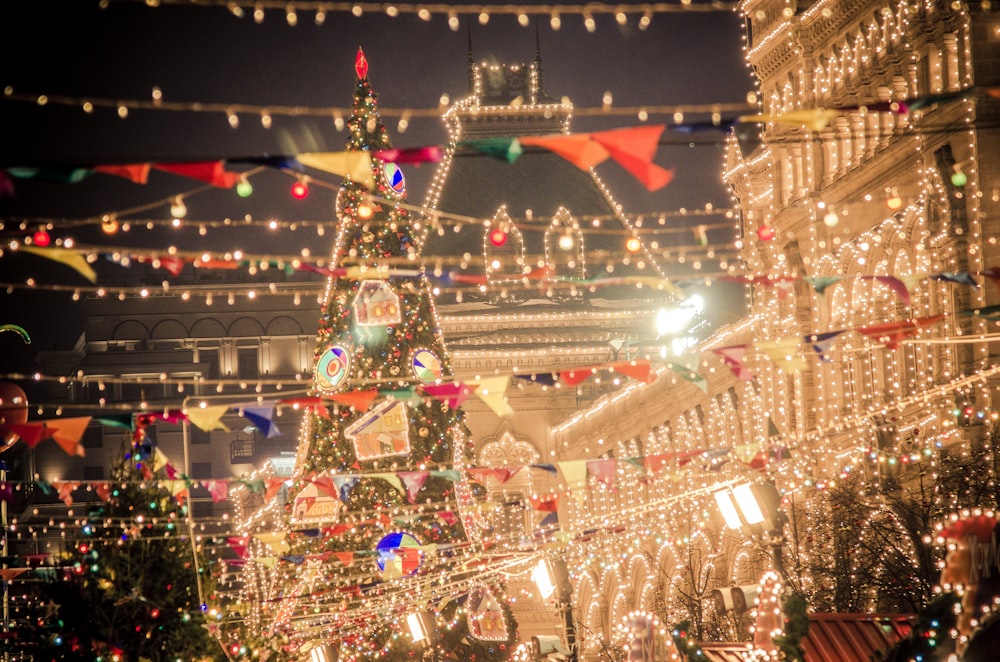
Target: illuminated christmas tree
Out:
[379,557]
[130,585]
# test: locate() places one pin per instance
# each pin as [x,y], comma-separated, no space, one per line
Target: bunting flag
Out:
[896,285]
[70,258]
[313,404]
[273,487]
[892,334]
[65,489]
[605,471]
[414,481]
[239,546]
[67,433]
[815,119]
[962,277]
[360,400]
[483,474]
[690,375]
[137,173]
[576,375]
[262,417]
[208,418]
[492,392]
[575,474]
[177,488]
[7,574]
[345,484]
[275,541]
[733,357]
[637,369]
[160,459]
[633,149]
[820,283]
[452,393]
[393,480]
[820,343]
[986,312]
[505,149]
[653,464]
[217,489]
[326,485]
[546,504]
[346,558]
[210,172]
[356,165]
[415,155]
[577,148]
[32,433]
[784,352]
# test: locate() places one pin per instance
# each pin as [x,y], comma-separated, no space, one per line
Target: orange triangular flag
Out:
[360,400]
[638,369]
[652,176]
[67,432]
[578,148]
[347,558]
[135,172]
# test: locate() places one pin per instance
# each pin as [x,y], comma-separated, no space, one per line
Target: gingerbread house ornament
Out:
[383,431]
[376,304]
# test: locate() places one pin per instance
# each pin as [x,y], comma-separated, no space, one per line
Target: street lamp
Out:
[552,579]
[757,507]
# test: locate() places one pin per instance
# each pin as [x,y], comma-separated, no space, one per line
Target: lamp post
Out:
[552,578]
[756,506]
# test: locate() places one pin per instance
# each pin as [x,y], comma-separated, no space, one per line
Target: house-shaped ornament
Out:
[382,432]
[376,304]
[314,505]
[485,617]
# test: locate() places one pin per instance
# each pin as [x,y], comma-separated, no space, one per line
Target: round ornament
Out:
[399,555]
[13,411]
[427,366]
[332,369]
[393,176]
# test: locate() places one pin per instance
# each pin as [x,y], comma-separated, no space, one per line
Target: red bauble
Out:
[498,237]
[41,238]
[13,411]
[765,233]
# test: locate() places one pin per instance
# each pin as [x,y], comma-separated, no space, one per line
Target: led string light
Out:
[231,111]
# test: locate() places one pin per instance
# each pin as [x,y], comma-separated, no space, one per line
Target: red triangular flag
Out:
[638,369]
[136,172]
[360,400]
[639,142]
[652,176]
[212,172]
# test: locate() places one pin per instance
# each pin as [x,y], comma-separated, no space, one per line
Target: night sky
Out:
[206,54]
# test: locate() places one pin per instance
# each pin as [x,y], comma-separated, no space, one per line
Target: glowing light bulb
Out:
[498,237]
[765,233]
[566,242]
[893,201]
[959,178]
[244,188]
[365,211]
[177,208]
[632,245]
[300,190]
[41,238]
[830,219]
[109,225]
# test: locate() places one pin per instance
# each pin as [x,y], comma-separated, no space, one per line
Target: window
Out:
[201,470]
[93,438]
[95,472]
[247,364]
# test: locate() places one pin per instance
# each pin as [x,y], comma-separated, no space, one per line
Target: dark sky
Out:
[206,54]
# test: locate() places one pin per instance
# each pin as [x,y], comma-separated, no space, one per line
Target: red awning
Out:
[832,638]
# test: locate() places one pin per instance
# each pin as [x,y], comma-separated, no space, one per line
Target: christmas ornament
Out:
[376,304]
[13,411]
[332,369]
[426,366]
[392,174]
[381,432]
[399,555]
[485,617]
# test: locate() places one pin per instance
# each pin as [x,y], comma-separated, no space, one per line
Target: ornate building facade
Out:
[834,214]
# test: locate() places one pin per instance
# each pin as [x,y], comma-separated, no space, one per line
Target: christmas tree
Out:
[132,584]
[378,559]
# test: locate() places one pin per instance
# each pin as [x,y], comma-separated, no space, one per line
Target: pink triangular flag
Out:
[414,480]
[604,471]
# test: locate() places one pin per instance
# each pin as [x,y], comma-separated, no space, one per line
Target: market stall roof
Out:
[833,638]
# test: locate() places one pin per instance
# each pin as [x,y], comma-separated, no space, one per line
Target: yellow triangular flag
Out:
[267,561]
[208,418]
[491,391]
[160,459]
[812,118]
[65,256]
[393,480]
[354,164]
[276,541]
[784,352]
